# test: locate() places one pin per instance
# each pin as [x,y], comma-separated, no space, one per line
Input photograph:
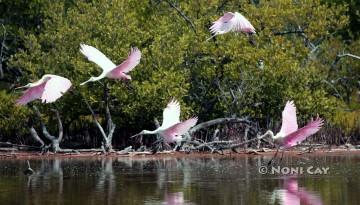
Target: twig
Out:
[182,15]
[217,121]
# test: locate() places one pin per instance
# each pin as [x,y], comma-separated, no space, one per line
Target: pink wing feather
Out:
[129,64]
[301,134]
[241,24]
[31,94]
[304,196]
[179,129]
[289,122]
[55,88]
[222,24]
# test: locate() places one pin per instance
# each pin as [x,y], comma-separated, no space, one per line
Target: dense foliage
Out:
[302,45]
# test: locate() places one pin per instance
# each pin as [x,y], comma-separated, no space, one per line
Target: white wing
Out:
[55,88]
[240,23]
[171,114]
[97,57]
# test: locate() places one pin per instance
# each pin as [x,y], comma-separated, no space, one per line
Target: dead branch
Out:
[2,52]
[35,135]
[60,126]
[18,146]
[43,127]
[279,33]
[217,121]
[95,120]
[182,15]
[348,55]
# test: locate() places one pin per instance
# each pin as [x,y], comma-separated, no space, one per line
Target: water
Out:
[186,180]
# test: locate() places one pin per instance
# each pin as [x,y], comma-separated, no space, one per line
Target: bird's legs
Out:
[272,159]
[282,155]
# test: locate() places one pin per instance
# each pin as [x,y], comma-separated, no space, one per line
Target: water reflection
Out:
[168,180]
[292,194]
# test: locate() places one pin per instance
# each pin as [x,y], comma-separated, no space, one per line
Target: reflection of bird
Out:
[174,198]
[293,195]
[171,128]
[231,22]
[111,70]
[289,134]
[28,170]
[49,88]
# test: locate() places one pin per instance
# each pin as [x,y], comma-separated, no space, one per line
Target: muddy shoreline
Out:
[23,155]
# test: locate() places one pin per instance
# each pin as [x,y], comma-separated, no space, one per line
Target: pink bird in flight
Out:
[289,134]
[172,129]
[230,21]
[110,70]
[49,88]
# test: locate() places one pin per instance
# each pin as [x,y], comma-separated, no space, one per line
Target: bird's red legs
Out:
[272,159]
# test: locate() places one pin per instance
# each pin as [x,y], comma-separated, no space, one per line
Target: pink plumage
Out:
[231,22]
[179,129]
[126,66]
[289,134]
[301,134]
[49,88]
[293,190]
[31,94]
[110,70]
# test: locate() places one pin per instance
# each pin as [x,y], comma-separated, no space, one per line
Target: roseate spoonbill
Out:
[289,134]
[292,194]
[49,88]
[231,22]
[111,70]
[171,128]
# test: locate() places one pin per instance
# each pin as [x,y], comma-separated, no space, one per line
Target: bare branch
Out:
[43,127]
[2,51]
[95,120]
[60,126]
[348,55]
[279,33]
[182,15]
[35,135]
[217,121]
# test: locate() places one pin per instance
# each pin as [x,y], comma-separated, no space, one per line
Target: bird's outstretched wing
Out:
[289,122]
[31,94]
[97,57]
[171,114]
[301,134]
[130,63]
[181,127]
[241,24]
[223,24]
[55,88]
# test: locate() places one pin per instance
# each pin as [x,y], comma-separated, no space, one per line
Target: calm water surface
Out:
[176,181]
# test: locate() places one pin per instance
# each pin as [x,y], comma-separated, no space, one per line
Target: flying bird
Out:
[110,70]
[49,88]
[230,21]
[289,134]
[172,129]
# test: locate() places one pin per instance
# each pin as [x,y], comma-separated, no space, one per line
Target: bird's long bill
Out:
[83,83]
[211,37]
[136,135]
[25,86]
